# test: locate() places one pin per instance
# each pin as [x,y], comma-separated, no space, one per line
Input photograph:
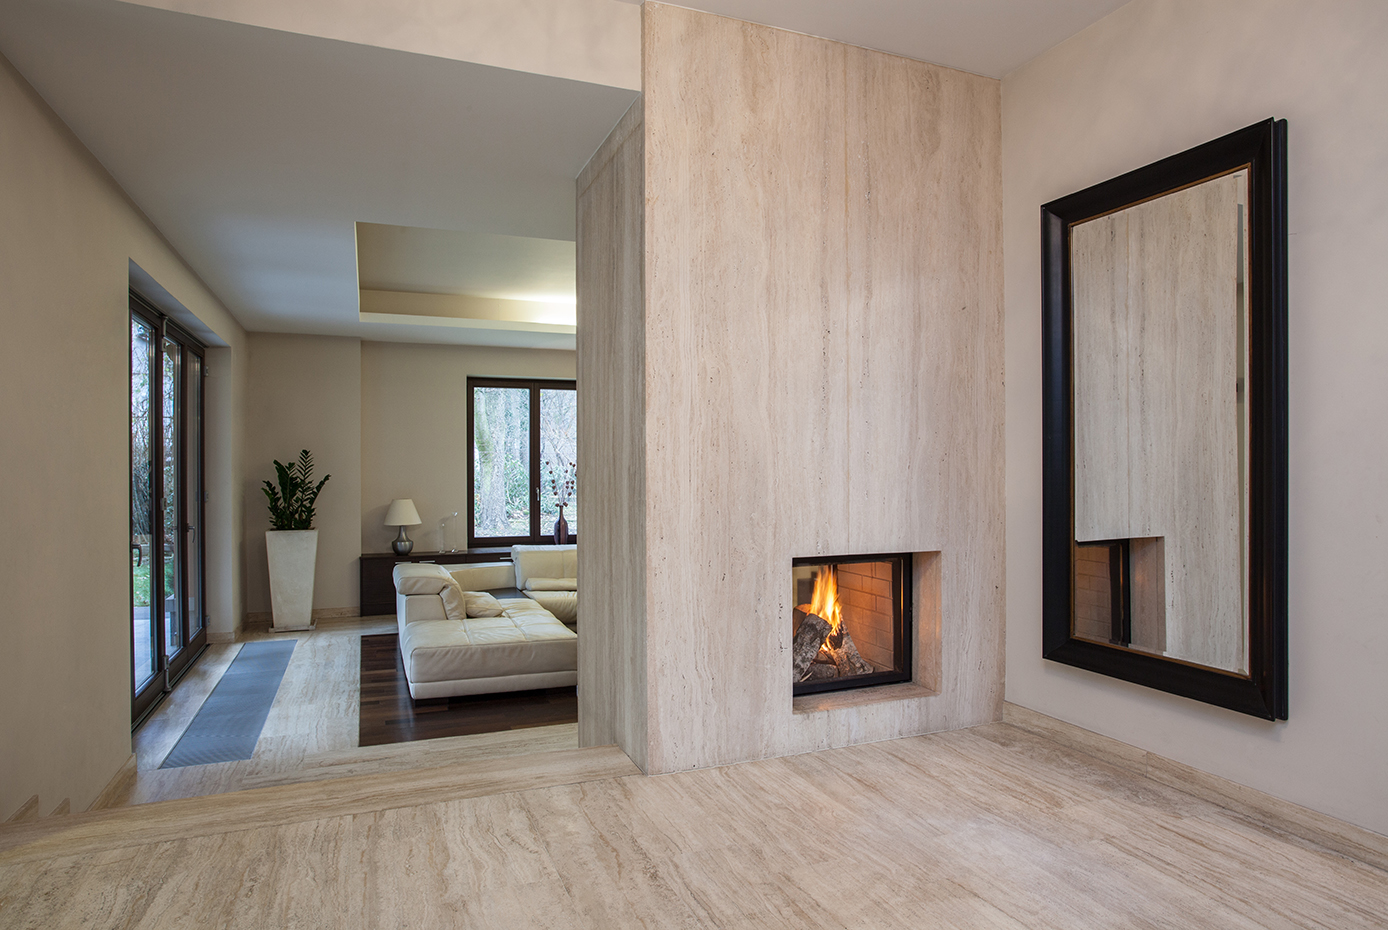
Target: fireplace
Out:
[851,625]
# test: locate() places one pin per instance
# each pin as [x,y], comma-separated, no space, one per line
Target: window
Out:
[167,499]
[523,458]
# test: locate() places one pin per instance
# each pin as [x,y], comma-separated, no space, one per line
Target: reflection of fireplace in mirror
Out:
[851,622]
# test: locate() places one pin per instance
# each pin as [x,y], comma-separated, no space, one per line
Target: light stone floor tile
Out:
[987,828]
[311,731]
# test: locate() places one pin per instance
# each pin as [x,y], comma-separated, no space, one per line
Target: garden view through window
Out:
[524,459]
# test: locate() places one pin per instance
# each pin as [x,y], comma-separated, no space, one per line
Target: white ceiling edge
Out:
[392,327]
[594,41]
[991,38]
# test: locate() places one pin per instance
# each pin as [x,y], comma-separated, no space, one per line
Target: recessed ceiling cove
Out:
[503,290]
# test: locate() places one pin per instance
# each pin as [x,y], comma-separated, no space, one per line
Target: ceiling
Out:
[257,151]
[989,37]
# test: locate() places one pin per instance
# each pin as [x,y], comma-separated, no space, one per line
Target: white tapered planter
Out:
[292,554]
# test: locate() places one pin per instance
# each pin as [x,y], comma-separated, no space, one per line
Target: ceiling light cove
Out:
[469,285]
[449,307]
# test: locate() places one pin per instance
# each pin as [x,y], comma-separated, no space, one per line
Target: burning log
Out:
[846,656]
[821,671]
[805,646]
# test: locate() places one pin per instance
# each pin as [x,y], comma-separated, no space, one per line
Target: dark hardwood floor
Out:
[388,715]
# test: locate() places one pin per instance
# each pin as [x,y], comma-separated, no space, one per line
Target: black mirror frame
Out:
[1263,693]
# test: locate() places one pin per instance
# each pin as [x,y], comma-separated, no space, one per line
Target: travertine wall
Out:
[611,443]
[820,347]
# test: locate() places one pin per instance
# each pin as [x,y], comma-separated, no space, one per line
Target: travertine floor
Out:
[988,827]
[311,732]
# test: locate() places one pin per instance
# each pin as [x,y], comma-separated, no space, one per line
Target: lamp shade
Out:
[402,513]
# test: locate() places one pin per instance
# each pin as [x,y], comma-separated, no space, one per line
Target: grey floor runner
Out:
[230,720]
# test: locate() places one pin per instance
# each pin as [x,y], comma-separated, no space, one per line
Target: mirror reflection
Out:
[1160,353]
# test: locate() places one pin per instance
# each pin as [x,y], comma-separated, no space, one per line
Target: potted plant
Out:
[291,543]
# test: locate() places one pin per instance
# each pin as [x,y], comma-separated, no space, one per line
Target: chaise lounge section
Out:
[454,642]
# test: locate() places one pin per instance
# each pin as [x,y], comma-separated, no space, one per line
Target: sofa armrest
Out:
[410,608]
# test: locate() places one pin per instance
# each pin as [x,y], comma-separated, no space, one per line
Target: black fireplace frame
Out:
[903,623]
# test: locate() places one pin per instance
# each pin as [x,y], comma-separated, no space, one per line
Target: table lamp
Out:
[402,514]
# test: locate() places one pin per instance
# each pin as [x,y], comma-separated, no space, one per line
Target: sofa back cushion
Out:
[484,576]
[544,562]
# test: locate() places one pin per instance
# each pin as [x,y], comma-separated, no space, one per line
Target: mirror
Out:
[1164,305]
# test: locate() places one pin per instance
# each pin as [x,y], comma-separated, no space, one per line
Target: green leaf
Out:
[291,504]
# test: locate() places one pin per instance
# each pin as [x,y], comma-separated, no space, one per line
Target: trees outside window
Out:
[524,450]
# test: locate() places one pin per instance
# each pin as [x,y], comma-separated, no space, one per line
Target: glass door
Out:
[145,636]
[166,504]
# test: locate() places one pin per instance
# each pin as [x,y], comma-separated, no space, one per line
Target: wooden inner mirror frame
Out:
[1261,690]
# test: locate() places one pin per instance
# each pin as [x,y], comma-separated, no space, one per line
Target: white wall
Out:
[1154,78]
[225,419]
[304,392]
[67,237]
[414,428]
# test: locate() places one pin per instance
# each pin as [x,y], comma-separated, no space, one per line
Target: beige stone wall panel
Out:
[823,362]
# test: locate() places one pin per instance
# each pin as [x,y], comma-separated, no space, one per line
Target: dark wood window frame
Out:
[538,534]
[143,701]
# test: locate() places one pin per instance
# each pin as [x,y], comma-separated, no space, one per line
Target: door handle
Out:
[139,554]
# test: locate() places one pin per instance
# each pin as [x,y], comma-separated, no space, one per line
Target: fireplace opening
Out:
[851,622]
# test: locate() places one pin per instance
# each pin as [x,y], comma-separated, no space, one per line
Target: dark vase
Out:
[561,529]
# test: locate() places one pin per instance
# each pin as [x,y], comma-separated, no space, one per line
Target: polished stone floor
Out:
[987,827]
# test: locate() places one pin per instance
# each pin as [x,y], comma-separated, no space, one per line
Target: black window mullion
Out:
[181,502]
[156,433]
[534,462]
[201,499]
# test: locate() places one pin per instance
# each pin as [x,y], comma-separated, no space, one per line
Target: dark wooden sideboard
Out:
[378,584]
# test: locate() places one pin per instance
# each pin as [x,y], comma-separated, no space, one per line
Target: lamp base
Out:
[402,543]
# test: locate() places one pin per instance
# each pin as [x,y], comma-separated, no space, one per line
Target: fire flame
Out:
[825,600]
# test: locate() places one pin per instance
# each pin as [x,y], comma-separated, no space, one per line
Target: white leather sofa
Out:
[549,576]
[448,653]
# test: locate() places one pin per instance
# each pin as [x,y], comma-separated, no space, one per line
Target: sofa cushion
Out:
[484,576]
[563,604]
[481,604]
[544,562]
[551,584]
[525,639]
